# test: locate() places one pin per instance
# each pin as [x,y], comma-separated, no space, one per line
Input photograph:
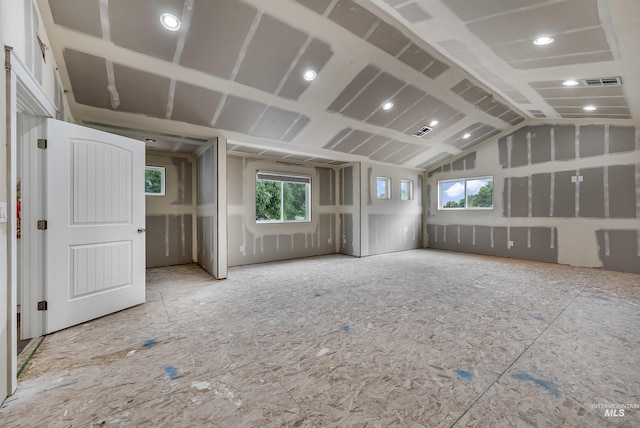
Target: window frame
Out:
[387,180]
[163,180]
[410,189]
[280,177]
[466,195]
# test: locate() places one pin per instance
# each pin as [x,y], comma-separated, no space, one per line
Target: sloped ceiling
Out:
[235,68]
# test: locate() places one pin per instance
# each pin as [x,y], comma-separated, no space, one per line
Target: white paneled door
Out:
[95,243]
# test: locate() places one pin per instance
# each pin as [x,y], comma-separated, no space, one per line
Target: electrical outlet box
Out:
[510,244]
[580,179]
[574,178]
[3,212]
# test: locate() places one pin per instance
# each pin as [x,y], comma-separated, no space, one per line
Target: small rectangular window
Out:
[383,188]
[406,190]
[469,193]
[154,180]
[282,198]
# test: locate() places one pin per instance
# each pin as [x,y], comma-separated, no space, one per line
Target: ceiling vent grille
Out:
[604,81]
[422,131]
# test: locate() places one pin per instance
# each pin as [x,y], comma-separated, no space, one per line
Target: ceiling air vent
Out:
[422,131]
[604,81]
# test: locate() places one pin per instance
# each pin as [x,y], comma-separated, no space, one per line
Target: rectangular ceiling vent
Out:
[422,131]
[604,81]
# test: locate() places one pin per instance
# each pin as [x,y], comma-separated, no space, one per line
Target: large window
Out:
[469,193]
[154,180]
[282,197]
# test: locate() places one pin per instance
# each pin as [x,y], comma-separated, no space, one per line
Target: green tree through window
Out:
[470,193]
[282,197]
[154,180]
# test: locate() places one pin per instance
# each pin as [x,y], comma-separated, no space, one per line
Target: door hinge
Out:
[42,224]
[42,143]
[42,305]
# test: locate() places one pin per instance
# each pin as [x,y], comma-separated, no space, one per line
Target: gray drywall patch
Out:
[622,191]
[205,243]
[592,193]
[326,223]
[346,234]
[238,244]
[369,181]
[564,194]
[470,161]
[622,139]
[618,250]
[394,232]
[184,169]
[206,177]
[519,197]
[540,195]
[235,180]
[500,242]
[483,240]
[346,187]
[506,202]
[564,142]
[503,152]
[431,236]
[458,165]
[591,140]
[435,171]
[466,239]
[519,148]
[326,177]
[544,246]
[540,144]
[520,238]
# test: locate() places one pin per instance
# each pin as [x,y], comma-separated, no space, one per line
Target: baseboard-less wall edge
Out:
[526,243]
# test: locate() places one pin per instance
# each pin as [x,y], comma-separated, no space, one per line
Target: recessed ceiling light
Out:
[170,21]
[543,40]
[467,135]
[309,75]
[433,123]
[387,105]
[570,82]
[589,108]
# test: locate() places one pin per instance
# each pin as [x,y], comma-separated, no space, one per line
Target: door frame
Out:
[24,95]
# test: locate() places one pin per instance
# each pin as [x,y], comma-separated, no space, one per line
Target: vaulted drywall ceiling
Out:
[235,68]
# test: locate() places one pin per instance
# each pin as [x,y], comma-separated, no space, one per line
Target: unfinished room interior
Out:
[309,213]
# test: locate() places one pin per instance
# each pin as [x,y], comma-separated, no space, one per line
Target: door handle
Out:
[141,230]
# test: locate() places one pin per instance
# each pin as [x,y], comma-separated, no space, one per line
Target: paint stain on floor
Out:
[548,385]
[464,374]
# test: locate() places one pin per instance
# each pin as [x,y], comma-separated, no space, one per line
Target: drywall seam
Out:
[638,193]
[576,202]
[530,195]
[552,189]
[605,179]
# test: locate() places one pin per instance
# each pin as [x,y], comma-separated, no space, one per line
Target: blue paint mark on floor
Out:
[539,318]
[595,296]
[149,343]
[548,385]
[60,386]
[346,328]
[172,372]
[464,374]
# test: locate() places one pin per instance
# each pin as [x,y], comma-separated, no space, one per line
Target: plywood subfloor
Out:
[415,338]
